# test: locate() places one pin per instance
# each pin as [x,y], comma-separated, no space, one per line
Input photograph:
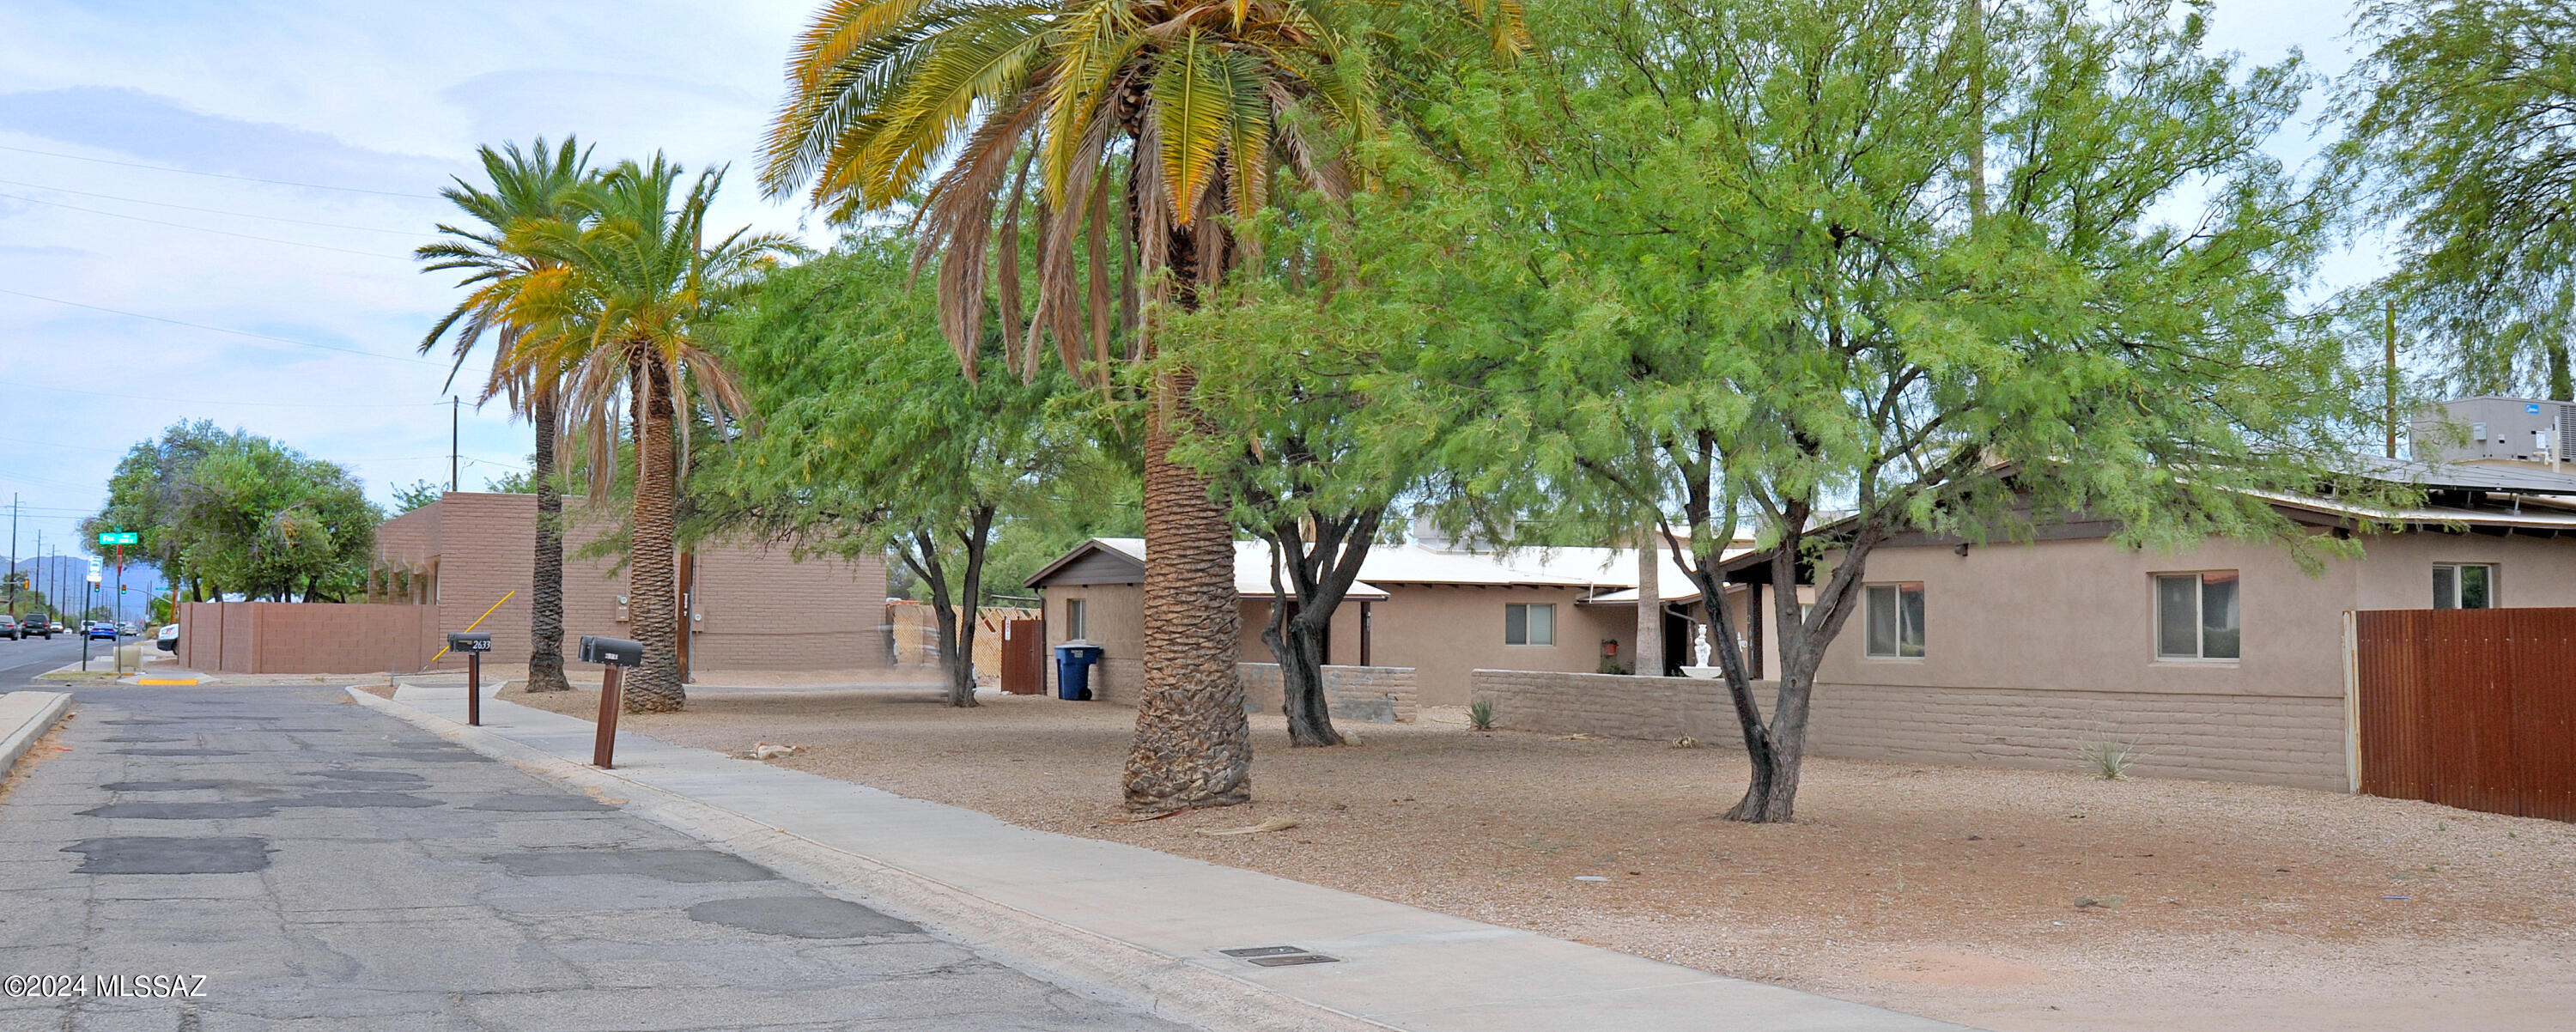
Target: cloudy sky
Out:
[205,208]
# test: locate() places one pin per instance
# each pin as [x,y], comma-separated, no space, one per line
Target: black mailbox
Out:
[611,651]
[469,641]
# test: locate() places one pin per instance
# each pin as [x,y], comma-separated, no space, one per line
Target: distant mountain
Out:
[142,579]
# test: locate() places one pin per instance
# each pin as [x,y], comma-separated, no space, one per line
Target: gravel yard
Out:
[2004,899]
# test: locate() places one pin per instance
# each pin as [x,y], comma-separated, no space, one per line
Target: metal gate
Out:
[2474,708]
[1024,657]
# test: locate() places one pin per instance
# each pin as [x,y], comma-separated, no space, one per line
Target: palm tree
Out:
[1169,114]
[528,188]
[618,307]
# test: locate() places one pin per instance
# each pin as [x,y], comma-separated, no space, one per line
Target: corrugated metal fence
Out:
[2474,708]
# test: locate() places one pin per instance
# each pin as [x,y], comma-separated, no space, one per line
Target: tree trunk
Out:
[545,589]
[1193,742]
[956,650]
[1299,644]
[653,606]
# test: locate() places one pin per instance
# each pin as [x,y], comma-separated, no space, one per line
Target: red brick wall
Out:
[304,637]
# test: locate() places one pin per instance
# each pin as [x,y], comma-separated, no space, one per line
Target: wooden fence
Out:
[2474,708]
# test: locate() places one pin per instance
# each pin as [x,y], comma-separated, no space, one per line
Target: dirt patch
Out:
[45,747]
[2004,899]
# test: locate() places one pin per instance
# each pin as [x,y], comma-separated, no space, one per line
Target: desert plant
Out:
[2110,759]
[1480,715]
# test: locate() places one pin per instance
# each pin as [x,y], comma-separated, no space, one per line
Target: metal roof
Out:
[2507,478]
[1251,566]
[1603,568]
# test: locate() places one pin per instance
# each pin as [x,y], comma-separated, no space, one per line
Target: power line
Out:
[219,401]
[220,175]
[203,229]
[212,211]
[219,329]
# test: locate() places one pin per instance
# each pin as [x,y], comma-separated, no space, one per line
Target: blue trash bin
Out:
[1073,671]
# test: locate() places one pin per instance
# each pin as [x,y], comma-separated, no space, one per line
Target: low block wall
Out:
[2266,739]
[1612,705]
[1379,695]
[306,637]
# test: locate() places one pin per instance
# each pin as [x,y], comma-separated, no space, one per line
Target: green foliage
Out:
[865,439]
[1716,269]
[243,514]
[2457,128]
[418,493]
[1480,715]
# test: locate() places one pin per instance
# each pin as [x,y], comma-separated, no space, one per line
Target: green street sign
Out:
[118,538]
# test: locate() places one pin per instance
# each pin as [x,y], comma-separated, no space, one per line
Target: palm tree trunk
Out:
[654,605]
[1193,742]
[545,591]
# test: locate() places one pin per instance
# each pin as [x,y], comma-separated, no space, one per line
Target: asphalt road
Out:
[276,858]
[23,659]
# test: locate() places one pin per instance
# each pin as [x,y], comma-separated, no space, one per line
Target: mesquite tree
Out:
[1787,264]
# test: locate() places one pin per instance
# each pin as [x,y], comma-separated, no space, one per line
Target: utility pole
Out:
[1974,17]
[13,554]
[455,418]
[2391,378]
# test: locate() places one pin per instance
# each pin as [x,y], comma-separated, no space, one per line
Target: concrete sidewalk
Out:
[1114,918]
[25,717]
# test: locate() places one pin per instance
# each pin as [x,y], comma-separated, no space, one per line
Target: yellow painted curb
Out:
[147,680]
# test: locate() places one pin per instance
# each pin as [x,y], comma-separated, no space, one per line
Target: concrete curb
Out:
[1086,963]
[35,713]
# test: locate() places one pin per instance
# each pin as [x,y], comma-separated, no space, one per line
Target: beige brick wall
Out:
[2267,739]
[759,608]
[1552,702]
[1375,694]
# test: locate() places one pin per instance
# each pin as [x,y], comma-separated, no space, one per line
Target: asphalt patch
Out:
[262,808]
[181,811]
[139,854]
[671,865]
[541,804]
[362,775]
[178,752]
[161,786]
[805,917]
[427,755]
[354,800]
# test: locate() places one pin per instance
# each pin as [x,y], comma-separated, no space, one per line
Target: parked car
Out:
[9,627]
[168,641]
[36,627]
[101,629]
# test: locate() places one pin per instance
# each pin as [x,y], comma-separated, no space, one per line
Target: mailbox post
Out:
[616,654]
[473,644]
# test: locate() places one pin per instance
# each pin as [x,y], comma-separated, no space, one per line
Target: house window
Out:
[2197,615]
[1529,623]
[2464,586]
[1895,619]
[1077,623]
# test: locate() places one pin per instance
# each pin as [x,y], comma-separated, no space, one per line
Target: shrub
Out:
[1480,715]
[2111,760]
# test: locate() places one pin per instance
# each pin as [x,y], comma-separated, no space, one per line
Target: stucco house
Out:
[470,554]
[1442,612]
[2222,660]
